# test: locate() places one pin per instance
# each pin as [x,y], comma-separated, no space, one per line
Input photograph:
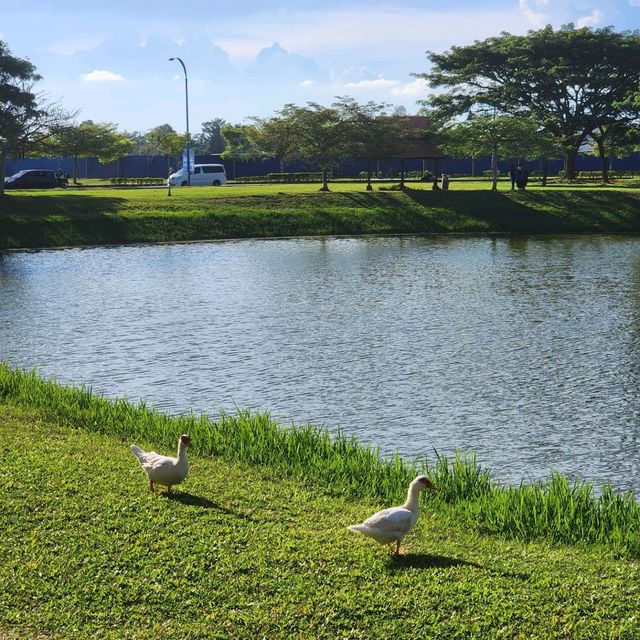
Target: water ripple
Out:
[524,350]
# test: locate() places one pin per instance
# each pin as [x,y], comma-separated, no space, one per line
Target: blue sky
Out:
[248,58]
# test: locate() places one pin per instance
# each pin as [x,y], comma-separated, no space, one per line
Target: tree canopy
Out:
[88,139]
[571,81]
[26,120]
[167,142]
[210,140]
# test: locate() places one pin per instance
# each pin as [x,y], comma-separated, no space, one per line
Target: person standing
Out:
[522,176]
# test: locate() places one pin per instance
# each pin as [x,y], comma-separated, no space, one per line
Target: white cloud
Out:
[411,30]
[100,75]
[378,83]
[415,88]
[531,11]
[592,20]
[307,83]
[71,47]
[276,62]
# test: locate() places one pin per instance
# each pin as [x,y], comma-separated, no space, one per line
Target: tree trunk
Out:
[570,164]
[545,171]
[402,173]
[494,168]
[325,180]
[75,169]
[3,168]
[603,161]
[473,167]
[369,187]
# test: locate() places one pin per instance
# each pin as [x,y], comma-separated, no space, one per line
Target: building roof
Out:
[415,145]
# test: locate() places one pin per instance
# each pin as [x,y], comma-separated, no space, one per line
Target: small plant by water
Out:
[557,510]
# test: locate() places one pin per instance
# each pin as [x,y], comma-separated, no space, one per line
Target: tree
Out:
[211,140]
[494,136]
[382,136]
[26,121]
[323,135]
[570,80]
[274,137]
[238,144]
[372,132]
[611,142]
[168,143]
[90,139]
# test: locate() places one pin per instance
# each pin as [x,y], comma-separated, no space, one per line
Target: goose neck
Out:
[412,502]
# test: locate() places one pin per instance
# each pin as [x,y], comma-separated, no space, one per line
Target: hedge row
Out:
[300,176]
[123,182]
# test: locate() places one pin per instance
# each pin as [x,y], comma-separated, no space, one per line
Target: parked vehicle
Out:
[201,175]
[35,179]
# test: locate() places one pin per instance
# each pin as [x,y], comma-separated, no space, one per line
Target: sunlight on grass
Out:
[240,551]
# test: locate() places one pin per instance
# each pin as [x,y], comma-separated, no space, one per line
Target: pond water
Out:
[525,351]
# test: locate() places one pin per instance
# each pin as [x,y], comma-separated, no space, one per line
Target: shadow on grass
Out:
[428,561]
[60,220]
[63,220]
[384,214]
[204,503]
[539,211]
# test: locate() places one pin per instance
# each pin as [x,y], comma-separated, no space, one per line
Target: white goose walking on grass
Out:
[164,470]
[391,525]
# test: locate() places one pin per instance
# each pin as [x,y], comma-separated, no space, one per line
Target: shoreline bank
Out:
[110,216]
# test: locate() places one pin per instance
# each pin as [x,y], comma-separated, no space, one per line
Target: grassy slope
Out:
[108,216]
[88,552]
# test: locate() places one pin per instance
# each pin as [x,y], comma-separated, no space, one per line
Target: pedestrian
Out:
[445,182]
[522,176]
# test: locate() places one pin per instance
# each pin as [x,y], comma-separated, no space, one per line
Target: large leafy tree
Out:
[274,137]
[373,131]
[570,80]
[323,135]
[26,121]
[210,140]
[167,142]
[90,139]
[238,144]
[613,141]
[495,136]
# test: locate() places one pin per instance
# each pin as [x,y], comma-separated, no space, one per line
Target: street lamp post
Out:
[186,101]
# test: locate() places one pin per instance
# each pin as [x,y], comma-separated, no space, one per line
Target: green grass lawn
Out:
[90,216]
[238,552]
[456,184]
[254,543]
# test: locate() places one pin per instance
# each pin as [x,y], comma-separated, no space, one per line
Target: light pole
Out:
[186,101]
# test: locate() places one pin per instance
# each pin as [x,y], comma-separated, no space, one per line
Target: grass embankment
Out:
[240,552]
[116,216]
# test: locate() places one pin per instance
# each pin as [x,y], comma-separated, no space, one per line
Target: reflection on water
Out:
[525,350]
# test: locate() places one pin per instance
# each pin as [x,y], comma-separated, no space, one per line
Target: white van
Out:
[201,175]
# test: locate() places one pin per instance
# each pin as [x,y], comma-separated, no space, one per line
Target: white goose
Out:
[164,470]
[391,525]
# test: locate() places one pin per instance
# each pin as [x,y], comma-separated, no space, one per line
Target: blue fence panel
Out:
[156,166]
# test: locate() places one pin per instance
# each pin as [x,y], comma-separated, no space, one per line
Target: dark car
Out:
[34,179]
